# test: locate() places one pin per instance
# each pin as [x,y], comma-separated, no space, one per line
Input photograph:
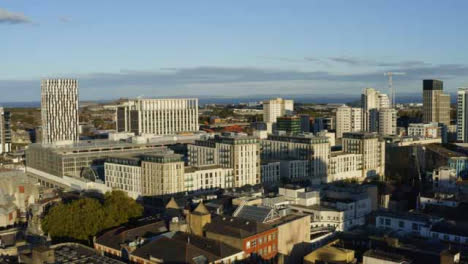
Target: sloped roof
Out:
[172,204]
[201,209]
[120,235]
[185,248]
[235,227]
[257,213]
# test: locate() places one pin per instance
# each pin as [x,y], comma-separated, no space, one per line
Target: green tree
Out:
[86,217]
[119,208]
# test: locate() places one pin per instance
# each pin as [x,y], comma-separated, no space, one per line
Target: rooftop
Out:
[185,248]
[412,216]
[385,256]
[236,227]
[122,235]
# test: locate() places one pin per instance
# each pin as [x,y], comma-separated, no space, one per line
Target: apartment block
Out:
[387,121]
[239,152]
[59,111]
[158,116]
[315,150]
[5,131]
[462,115]
[348,119]
[372,151]
[371,102]
[431,130]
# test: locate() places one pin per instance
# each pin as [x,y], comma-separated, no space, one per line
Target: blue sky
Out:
[230,48]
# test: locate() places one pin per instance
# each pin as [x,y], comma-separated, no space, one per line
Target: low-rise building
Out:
[122,241]
[382,257]
[181,247]
[431,130]
[249,236]
[330,254]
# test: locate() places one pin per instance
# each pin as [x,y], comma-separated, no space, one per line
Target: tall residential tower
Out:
[5,131]
[274,108]
[436,104]
[59,111]
[462,115]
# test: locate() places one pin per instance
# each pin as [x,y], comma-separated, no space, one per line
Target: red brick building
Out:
[246,235]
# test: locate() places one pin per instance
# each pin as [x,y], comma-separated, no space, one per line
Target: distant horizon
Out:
[298,98]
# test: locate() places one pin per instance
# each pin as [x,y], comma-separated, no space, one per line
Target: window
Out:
[260,241]
[415,227]
[381,221]
[254,243]
[387,222]
[401,224]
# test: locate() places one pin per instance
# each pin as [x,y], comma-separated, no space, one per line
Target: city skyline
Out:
[306,47]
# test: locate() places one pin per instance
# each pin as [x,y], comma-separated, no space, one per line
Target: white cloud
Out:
[8,17]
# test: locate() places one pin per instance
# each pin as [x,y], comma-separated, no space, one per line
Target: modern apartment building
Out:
[241,153]
[207,177]
[293,170]
[372,151]
[289,124]
[5,131]
[79,165]
[59,111]
[158,116]
[348,119]
[315,150]
[162,173]
[274,108]
[387,121]
[431,130]
[371,102]
[436,104]
[124,173]
[462,115]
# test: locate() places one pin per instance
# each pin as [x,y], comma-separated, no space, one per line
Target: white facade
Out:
[430,130]
[207,177]
[59,111]
[274,108]
[387,121]
[372,150]
[371,102]
[316,150]
[348,119]
[158,116]
[344,166]
[238,152]
[462,115]
[444,178]
[124,177]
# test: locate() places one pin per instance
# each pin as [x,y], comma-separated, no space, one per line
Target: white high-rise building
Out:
[158,116]
[387,121]
[348,119]
[462,114]
[59,111]
[274,108]
[5,131]
[371,102]
[371,149]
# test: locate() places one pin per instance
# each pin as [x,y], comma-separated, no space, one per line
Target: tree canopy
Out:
[86,217]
